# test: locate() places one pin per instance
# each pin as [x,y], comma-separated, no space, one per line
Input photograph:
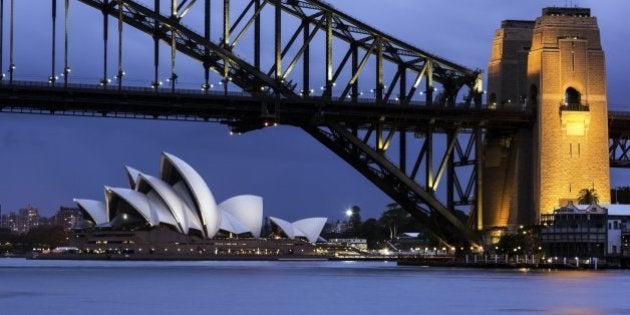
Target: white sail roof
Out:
[95,209]
[183,215]
[149,206]
[181,198]
[160,211]
[309,228]
[285,226]
[132,176]
[231,224]
[247,209]
[136,200]
[196,188]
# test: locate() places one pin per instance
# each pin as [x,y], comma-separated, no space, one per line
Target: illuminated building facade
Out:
[575,231]
[176,213]
[28,218]
[67,217]
[563,81]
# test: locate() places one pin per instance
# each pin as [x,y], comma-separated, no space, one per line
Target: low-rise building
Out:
[575,231]
[618,229]
[358,243]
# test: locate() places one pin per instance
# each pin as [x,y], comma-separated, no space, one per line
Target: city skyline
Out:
[48,161]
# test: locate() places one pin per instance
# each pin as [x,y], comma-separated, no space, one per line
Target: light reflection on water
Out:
[100,287]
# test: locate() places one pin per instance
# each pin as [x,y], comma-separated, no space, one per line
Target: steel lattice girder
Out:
[341,26]
[425,207]
[194,45]
[619,139]
[354,31]
[620,151]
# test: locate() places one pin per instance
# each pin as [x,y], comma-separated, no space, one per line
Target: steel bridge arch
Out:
[362,143]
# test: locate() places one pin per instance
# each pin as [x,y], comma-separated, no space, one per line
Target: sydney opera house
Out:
[176,214]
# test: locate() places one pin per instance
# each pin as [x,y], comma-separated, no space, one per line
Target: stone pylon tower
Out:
[507,169]
[566,74]
[555,67]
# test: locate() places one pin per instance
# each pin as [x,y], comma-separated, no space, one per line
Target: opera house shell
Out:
[180,199]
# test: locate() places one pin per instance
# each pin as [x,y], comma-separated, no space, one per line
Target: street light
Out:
[349,212]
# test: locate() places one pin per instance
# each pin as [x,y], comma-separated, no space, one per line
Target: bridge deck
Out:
[94,100]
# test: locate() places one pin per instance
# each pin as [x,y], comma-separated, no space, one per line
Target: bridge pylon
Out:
[555,67]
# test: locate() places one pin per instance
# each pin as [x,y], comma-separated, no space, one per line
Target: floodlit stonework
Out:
[564,83]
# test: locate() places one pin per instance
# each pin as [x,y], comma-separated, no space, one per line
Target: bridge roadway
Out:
[618,123]
[235,108]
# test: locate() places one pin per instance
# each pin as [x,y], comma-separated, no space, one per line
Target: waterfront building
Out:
[358,243]
[575,227]
[575,231]
[618,224]
[177,211]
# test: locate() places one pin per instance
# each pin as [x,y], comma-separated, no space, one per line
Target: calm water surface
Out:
[88,287]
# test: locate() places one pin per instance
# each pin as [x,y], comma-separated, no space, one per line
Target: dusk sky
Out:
[47,161]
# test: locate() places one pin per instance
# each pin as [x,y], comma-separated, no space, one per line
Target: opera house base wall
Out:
[164,243]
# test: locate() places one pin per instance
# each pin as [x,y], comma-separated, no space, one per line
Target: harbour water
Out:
[102,287]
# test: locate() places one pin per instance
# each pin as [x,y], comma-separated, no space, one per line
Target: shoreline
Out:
[441,262]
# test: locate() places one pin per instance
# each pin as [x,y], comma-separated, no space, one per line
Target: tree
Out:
[394,218]
[526,240]
[355,217]
[588,196]
[46,236]
[374,232]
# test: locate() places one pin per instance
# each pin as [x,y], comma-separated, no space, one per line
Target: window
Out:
[616,225]
[572,97]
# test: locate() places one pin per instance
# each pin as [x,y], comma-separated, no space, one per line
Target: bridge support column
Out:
[479,162]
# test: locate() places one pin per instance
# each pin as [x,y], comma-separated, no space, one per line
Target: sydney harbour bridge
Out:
[406,119]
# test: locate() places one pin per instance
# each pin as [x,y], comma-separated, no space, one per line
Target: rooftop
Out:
[555,11]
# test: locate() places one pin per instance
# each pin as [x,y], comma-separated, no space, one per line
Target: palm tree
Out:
[588,196]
